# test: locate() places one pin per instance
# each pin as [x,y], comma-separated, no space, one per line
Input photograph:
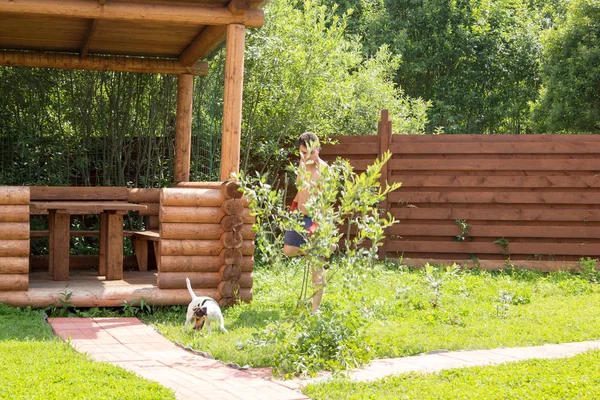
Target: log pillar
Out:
[232,108]
[183,133]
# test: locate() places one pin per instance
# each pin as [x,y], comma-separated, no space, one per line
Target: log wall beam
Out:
[100,63]
[134,12]
[183,133]
[232,109]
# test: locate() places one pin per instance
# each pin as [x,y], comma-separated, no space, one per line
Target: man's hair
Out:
[308,139]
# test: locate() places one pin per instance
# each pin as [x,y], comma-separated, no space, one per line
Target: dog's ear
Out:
[204,310]
[198,312]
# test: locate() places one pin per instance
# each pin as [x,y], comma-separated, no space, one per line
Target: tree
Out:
[569,98]
[304,72]
[475,60]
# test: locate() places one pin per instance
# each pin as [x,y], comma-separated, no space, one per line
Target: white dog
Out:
[201,309]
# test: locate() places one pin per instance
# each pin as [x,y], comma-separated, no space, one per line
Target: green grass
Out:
[570,378]
[387,310]
[37,365]
[401,314]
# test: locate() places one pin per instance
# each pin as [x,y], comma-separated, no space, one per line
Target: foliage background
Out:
[452,66]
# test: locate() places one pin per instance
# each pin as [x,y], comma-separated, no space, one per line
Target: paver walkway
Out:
[438,361]
[137,347]
[130,344]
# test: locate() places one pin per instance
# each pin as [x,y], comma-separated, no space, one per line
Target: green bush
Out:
[329,340]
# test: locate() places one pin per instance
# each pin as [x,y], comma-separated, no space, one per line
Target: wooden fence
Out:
[529,200]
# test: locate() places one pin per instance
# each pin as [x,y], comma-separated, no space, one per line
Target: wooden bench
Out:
[141,242]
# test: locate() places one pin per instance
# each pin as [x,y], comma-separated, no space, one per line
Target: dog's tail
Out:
[189,286]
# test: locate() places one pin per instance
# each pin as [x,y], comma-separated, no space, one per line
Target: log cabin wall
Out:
[529,200]
[14,238]
[151,199]
[206,235]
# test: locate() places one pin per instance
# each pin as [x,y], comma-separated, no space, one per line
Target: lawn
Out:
[37,365]
[373,311]
[570,378]
[390,311]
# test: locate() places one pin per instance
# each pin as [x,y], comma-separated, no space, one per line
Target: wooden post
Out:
[50,241]
[183,134]
[60,246]
[114,251]
[384,133]
[232,109]
[103,244]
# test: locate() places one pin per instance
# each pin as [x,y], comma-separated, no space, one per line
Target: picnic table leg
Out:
[114,251]
[51,214]
[59,246]
[103,243]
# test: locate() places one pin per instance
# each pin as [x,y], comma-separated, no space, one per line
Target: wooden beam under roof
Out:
[88,38]
[100,63]
[205,42]
[211,36]
[134,12]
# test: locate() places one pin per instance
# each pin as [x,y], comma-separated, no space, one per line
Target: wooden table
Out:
[111,233]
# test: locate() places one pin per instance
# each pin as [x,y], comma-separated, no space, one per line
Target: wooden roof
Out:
[183,31]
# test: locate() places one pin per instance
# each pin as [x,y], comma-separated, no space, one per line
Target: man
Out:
[310,168]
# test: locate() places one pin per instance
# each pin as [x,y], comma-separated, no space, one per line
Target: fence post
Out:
[384,133]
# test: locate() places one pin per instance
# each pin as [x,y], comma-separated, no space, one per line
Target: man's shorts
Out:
[293,238]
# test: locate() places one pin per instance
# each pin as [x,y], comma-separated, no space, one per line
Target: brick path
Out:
[137,347]
[130,344]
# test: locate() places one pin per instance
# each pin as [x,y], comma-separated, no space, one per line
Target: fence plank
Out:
[436,139]
[350,149]
[577,249]
[513,214]
[513,147]
[490,164]
[458,181]
[484,229]
[495,197]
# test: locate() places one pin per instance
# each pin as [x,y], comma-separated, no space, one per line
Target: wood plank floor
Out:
[87,289]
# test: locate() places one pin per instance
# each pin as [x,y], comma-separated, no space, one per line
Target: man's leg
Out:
[319,282]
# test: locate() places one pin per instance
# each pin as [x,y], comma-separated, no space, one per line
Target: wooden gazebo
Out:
[199,230]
